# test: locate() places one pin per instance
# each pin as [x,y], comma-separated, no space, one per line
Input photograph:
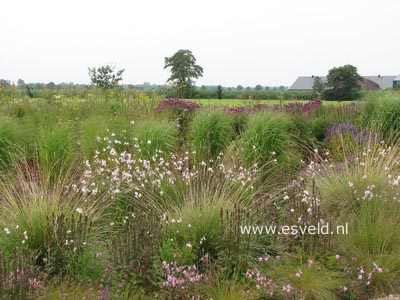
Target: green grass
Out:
[239,102]
[210,132]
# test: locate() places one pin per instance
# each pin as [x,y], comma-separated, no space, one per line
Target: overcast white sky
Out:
[236,42]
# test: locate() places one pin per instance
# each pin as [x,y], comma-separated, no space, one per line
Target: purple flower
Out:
[359,136]
[289,107]
[176,103]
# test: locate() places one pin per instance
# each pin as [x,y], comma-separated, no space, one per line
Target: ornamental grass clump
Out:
[367,172]
[268,138]
[292,278]
[210,132]
[342,139]
[39,214]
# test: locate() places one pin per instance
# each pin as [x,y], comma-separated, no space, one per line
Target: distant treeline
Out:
[37,90]
[254,94]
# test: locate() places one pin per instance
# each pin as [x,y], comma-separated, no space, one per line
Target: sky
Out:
[236,42]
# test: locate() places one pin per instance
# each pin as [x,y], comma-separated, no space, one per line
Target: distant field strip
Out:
[239,102]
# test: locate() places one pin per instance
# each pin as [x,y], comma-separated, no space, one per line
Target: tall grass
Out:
[369,170]
[155,134]
[43,216]
[267,142]
[210,133]
[382,110]
[14,137]
[56,147]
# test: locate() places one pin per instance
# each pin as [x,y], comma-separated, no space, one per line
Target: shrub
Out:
[180,111]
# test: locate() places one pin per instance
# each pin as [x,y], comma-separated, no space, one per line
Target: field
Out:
[238,102]
[122,195]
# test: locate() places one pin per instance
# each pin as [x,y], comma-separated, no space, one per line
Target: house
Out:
[396,82]
[305,83]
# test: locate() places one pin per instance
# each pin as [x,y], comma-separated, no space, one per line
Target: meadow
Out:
[125,195]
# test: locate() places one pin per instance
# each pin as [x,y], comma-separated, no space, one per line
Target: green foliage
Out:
[318,87]
[105,77]
[343,83]
[183,70]
[219,92]
[245,95]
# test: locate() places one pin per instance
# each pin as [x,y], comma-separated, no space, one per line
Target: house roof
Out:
[384,82]
[307,82]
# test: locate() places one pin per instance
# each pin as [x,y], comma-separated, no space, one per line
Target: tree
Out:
[318,86]
[343,83]
[51,85]
[219,92]
[20,83]
[183,70]
[258,87]
[105,77]
[239,87]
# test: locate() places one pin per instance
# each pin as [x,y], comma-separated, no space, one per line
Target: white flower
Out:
[7,230]
[79,210]
[189,245]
